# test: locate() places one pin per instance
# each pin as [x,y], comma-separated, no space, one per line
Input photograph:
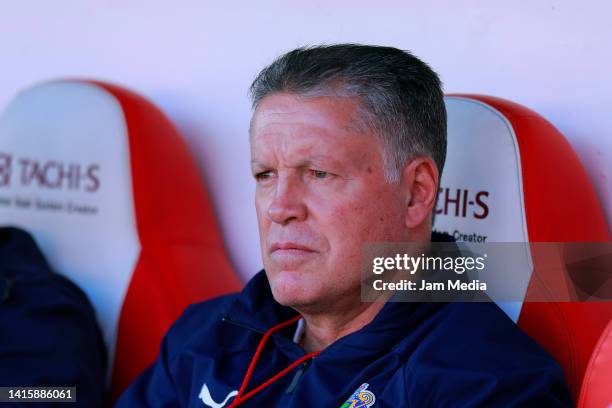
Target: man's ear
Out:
[420,185]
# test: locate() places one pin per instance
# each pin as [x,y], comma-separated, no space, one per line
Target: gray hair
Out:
[401,97]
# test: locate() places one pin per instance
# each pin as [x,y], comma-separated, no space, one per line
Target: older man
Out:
[348,143]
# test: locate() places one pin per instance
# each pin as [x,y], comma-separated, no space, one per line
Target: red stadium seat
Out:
[596,392]
[107,186]
[512,177]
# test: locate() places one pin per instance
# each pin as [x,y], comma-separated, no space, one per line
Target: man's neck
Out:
[323,329]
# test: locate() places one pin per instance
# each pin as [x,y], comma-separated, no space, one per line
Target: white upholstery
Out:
[69,148]
[483,174]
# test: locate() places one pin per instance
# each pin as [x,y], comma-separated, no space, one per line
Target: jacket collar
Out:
[255,309]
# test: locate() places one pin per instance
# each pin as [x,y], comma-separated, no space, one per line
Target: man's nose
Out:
[287,204]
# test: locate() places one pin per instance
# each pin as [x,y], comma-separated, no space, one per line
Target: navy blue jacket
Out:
[49,336]
[410,355]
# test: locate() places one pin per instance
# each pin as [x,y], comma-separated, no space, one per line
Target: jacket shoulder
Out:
[481,333]
[476,346]
[198,321]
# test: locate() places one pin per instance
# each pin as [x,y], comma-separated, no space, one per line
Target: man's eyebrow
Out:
[319,158]
[309,161]
[257,164]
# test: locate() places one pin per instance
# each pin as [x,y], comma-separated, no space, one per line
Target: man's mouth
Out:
[289,246]
[290,253]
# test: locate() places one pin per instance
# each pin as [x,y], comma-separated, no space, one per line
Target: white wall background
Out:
[196,58]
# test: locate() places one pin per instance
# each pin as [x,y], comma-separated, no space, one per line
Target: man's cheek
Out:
[355,217]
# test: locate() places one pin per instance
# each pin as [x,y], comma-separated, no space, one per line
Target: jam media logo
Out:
[5,169]
[463,203]
[50,174]
[361,398]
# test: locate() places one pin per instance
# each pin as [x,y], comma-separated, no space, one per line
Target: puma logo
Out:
[207,398]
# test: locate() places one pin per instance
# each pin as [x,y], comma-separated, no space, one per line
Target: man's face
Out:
[320,194]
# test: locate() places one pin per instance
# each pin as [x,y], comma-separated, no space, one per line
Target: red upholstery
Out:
[182,259]
[596,390]
[560,206]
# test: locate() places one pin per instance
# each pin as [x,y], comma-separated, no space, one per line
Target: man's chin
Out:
[292,290]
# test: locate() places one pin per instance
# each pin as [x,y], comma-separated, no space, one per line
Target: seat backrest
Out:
[596,391]
[510,176]
[107,187]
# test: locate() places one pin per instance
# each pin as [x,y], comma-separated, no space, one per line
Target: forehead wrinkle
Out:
[305,114]
[291,138]
[308,146]
[291,127]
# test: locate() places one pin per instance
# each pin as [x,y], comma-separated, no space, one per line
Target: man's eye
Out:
[319,174]
[264,175]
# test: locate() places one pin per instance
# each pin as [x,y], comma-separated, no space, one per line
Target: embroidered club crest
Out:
[361,398]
